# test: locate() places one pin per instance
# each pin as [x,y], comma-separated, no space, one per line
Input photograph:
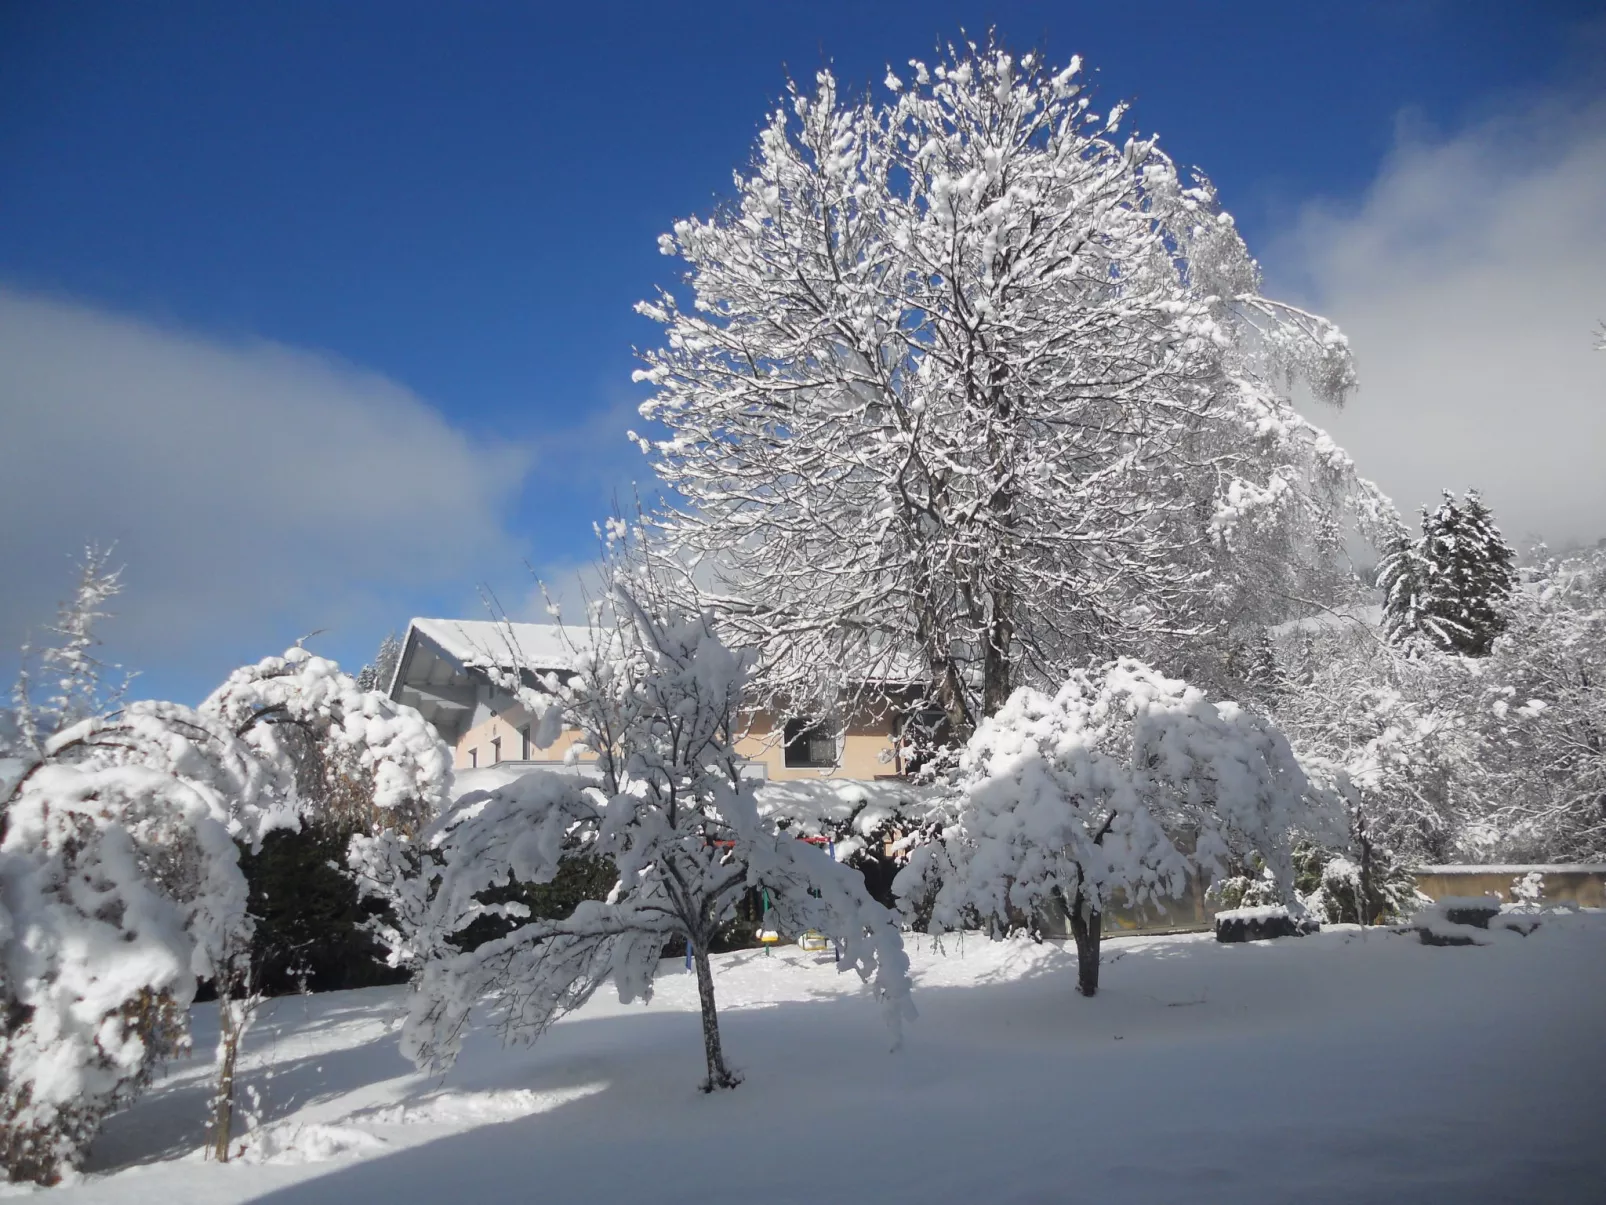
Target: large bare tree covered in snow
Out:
[656,697]
[974,388]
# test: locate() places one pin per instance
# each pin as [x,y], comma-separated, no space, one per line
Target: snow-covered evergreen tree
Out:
[656,697]
[1450,587]
[376,675]
[1124,781]
[973,387]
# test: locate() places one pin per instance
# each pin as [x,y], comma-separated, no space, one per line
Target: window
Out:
[810,744]
[524,743]
[496,750]
[473,759]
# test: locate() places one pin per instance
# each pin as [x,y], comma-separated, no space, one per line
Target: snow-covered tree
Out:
[1545,703]
[71,673]
[1450,587]
[377,762]
[376,675]
[120,888]
[120,881]
[1125,781]
[355,758]
[1454,758]
[656,696]
[972,387]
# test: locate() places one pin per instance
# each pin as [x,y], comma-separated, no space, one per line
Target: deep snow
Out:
[1350,1066]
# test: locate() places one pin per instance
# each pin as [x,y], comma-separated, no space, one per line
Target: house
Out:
[446,672]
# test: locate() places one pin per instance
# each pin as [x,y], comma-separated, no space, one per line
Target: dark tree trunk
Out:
[1368,905]
[1086,925]
[718,1075]
[996,668]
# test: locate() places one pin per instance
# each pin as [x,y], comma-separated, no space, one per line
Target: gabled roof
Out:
[483,643]
[441,670]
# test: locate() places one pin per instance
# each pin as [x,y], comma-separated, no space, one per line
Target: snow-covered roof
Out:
[442,663]
[482,643]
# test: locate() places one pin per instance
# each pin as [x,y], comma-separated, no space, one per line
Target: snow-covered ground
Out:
[1349,1066]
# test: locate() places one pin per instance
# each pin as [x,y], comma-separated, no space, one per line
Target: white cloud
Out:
[255,492]
[1469,279]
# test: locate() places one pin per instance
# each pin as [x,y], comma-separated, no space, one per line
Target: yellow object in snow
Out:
[768,936]
[813,942]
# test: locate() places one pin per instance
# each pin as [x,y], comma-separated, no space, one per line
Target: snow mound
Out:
[463,1109]
[310,1142]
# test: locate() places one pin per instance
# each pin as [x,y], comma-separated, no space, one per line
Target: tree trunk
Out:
[1367,905]
[223,1099]
[995,661]
[718,1075]
[1086,924]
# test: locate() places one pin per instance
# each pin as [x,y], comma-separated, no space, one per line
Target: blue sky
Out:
[436,218]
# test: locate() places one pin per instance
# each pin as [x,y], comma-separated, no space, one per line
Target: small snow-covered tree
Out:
[656,697]
[120,888]
[69,668]
[1124,781]
[973,387]
[365,763]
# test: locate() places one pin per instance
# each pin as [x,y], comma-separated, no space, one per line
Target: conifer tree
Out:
[1448,588]
[1478,573]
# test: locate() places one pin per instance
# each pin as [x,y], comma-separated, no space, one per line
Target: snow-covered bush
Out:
[356,761]
[1124,780]
[120,880]
[656,696]
[1337,889]
[376,763]
[121,890]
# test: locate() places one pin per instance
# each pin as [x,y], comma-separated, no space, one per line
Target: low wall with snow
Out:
[1189,912]
[1584,885]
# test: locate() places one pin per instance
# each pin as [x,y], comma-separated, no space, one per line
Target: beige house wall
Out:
[866,750]
[864,753]
[506,727]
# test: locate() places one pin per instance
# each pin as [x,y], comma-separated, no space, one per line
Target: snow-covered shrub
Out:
[120,881]
[1124,780]
[1334,888]
[656,697]
[368,761]
[357,761]
[121,889]
[1255,887]
[1528,892]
